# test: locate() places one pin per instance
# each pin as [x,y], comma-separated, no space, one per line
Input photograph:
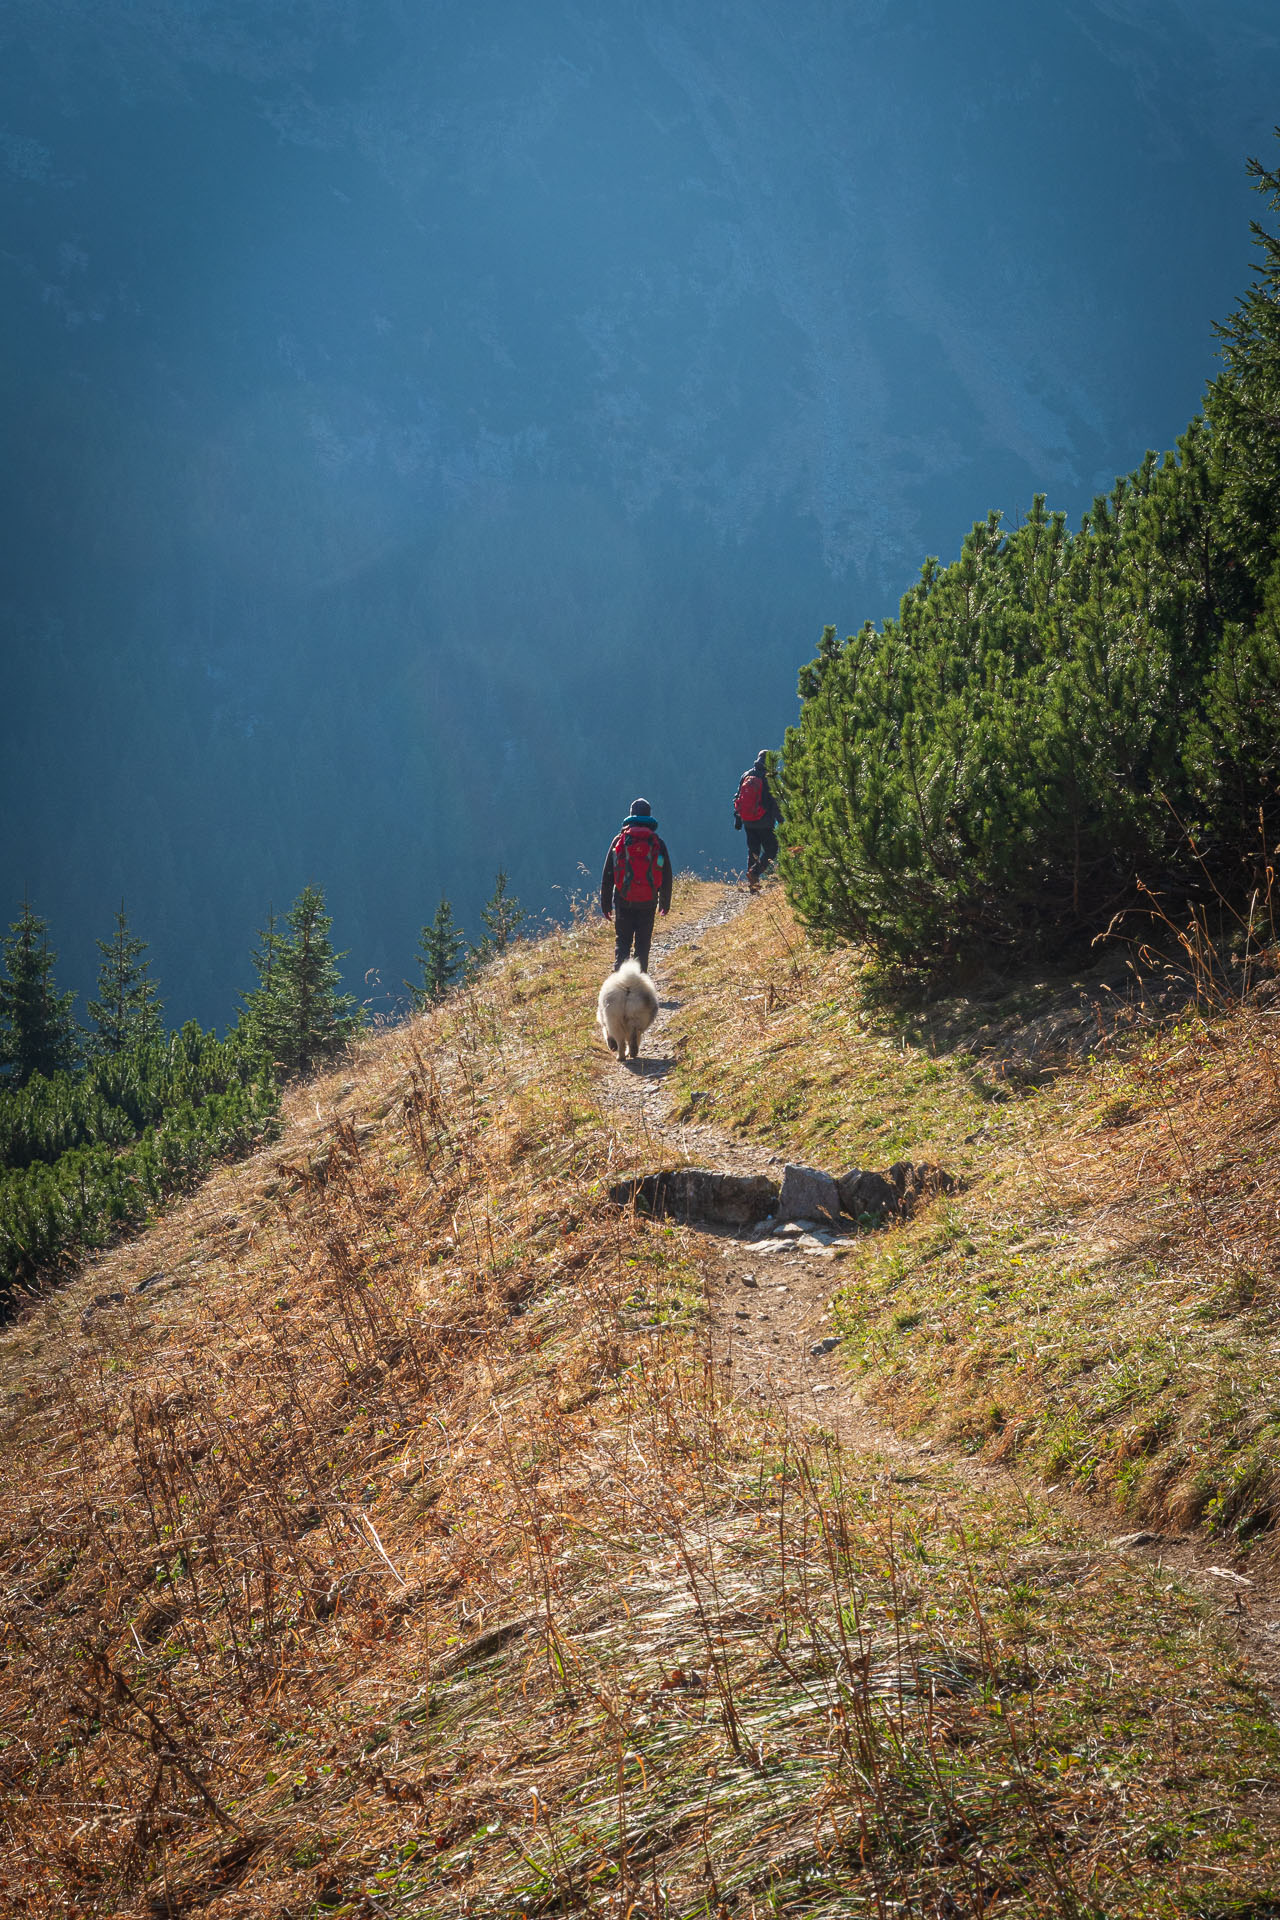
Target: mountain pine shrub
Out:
[85,1155]
[1056,717]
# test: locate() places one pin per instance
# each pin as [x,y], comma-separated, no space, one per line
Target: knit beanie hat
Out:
[641,806]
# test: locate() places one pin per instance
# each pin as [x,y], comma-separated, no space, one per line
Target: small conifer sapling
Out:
[38,1033]
[296,1014]
[442,950]
[128,1010]
[503,917]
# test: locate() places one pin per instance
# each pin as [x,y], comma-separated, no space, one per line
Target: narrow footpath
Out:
[772,1338]
[768,1305]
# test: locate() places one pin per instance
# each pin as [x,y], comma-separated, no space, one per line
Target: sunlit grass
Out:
[1099,1302]
[394,1550]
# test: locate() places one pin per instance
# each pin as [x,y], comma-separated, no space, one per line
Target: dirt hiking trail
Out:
[772,1337]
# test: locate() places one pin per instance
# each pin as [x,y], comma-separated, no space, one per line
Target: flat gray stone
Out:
[809,1195]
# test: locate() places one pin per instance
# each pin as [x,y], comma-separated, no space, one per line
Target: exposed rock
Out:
[808,1204]
[807,1243]
[808,1195]
[919,1182]
[865,1193]
[697,1193]
[828,1345]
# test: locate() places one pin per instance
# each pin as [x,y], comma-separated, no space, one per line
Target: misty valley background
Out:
[426,429]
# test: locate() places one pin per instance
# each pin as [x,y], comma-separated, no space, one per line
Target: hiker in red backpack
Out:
[756,810]
[636,884]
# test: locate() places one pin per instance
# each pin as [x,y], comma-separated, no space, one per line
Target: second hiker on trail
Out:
[755,808]
[636,884]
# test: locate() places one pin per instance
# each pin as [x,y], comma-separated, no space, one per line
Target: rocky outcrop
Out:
[867,1195]
[916,1181]
[807,1194]
[698,1193]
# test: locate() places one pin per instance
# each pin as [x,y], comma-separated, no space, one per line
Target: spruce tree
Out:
[441,956]
[296,1014]
[37,1031]
[129,1008]
[259,1015]
[503,917]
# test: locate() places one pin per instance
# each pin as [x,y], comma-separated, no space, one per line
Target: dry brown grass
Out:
[387,1547]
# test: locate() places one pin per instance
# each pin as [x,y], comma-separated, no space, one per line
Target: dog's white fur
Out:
[627,1007]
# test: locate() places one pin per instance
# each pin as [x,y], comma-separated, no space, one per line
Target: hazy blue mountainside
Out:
[425,428]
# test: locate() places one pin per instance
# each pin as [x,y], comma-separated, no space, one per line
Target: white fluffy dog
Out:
[627,1007]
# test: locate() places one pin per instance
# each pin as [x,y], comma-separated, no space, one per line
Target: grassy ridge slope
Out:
[1102,1297]
[376,1540]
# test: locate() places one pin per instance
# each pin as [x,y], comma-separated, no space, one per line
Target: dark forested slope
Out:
[386,387]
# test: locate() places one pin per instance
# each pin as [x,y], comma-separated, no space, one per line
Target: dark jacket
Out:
[647,823]
[772,812]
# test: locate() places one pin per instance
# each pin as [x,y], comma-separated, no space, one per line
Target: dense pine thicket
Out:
[86,1156]
[98,1128]
[1056,717]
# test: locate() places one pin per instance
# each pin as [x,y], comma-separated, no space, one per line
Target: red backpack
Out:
[750,800]
[636,866]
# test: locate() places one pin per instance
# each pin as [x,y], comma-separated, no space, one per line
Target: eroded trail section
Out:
[768,1295]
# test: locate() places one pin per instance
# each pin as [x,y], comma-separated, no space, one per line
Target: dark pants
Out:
[633,924]
[762,848]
